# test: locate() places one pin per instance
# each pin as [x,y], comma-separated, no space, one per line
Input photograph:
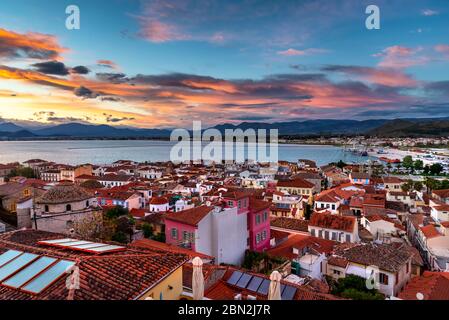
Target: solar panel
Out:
[8,256]
[235,277]
[244,280]
[106,248]
[87,246]
[263,289]
[288,293]
[22,277]
[57,241]
[16,264]
[90,245]
[48,277]
[74,243]
[254,284]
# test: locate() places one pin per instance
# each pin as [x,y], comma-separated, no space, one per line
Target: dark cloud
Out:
[112,119]
[252,118]
[112,77]
[111,99]
[52,67]
[80,70]
[85,93]
[438,87]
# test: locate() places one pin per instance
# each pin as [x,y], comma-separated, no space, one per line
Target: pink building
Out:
[258,218]
[259,225]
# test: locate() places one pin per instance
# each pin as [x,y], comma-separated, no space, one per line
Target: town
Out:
[321,232]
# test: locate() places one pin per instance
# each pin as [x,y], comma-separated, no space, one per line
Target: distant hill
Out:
[9,127]
[97,131]
[415,128]
[310,127]
[16,135]
[377,127]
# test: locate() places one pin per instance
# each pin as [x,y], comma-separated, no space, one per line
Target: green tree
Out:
[431,184]
[418,165]
[418,185]
[23,172]
[147,230]
[408,186]
[116,212]
[436,168]
[444,184]
[354,287]
[407,162]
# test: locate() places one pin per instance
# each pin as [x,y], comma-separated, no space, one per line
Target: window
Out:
[87,203]
[257,238]
[230,204]
[68,207]
[383,278]
[320,233]
[334,236]
[174,233]
[240,204]
[46,208]
[336,272]
[265,216]
[326,235]
[408,267]
[264,235]
[257,219]
[348,238]
[312,232]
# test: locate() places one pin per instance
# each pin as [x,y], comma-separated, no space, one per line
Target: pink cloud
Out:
[295,52]
[157,31]
[442,48]
[398,57]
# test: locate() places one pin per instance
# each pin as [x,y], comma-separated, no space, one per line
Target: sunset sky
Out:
[166,63]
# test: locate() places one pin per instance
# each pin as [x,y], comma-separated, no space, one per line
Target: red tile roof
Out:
[431,285]
[190,216]
[430,231]
[297,183]
[221,290]
[290,223]
[330,221]
[121,275]
[166,247]
[158,200]
[297,241]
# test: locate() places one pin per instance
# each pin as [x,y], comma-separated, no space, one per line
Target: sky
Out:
[164,64]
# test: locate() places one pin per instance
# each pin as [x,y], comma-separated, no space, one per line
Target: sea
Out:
[99,152]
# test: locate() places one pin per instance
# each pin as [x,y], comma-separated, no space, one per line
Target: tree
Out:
[408,186]
[418,165]
[147,230]
[444,184]
[125,225]
[431,184]
[407,162]
[354,287]
[22,172]
[417,185]
[116,212]
[436,168]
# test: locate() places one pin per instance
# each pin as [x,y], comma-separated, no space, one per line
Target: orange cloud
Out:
[30,45]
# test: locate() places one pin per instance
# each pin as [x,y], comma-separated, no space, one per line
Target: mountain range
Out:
[376,127]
